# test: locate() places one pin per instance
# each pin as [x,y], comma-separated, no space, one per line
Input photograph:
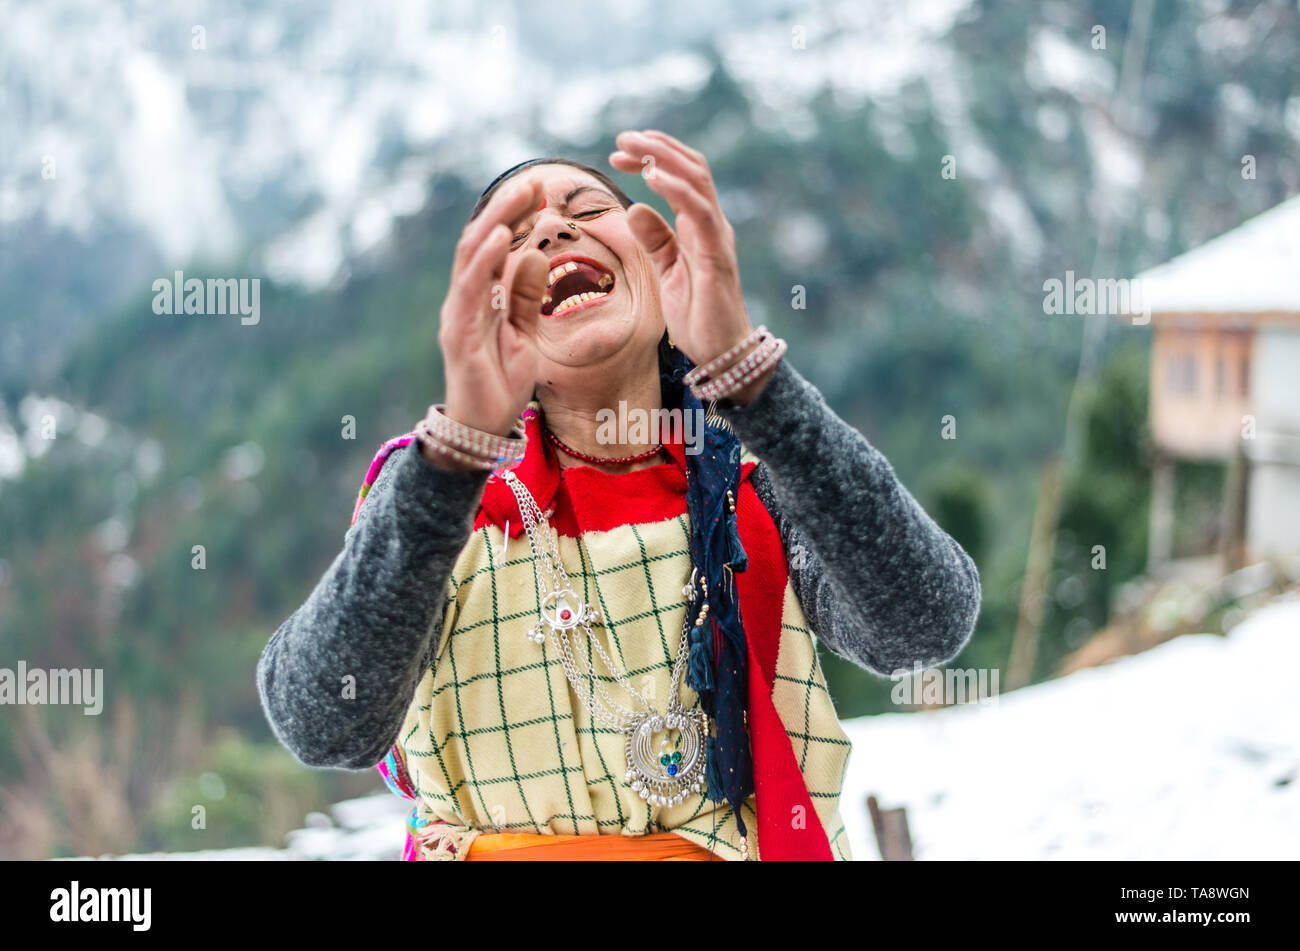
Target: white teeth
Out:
[559,271]
[575,299]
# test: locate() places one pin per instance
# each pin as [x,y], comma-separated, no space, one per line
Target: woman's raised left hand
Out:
[699,278]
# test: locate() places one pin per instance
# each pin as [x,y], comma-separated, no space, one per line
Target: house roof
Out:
[1253,268]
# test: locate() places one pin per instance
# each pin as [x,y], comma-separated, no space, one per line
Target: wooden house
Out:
[1225,383]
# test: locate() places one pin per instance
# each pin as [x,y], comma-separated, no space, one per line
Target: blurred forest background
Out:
[290,153]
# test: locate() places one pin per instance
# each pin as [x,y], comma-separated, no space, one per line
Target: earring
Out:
[573,225]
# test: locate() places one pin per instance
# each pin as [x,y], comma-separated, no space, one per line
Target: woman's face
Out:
[604,294]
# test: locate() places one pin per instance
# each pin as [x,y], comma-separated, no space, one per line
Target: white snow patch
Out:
[1069,64]
[858,50]
[1190,750]
[1254,267]
[1114,156]
[170,177]
[13,460]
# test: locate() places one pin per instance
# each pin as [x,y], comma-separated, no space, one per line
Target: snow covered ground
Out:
[1190,750]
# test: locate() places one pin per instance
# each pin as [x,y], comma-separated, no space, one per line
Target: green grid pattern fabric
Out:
[496,740]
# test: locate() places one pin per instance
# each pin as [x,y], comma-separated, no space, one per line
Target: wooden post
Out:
[1160,542]
[1038,571]
[1233,534]
[892,837]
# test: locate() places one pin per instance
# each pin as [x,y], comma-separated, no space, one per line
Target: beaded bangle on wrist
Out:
[749,369]
[443,449]
[702,373]
[467,444]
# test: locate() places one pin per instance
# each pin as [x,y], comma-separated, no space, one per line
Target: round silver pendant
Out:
[666,783]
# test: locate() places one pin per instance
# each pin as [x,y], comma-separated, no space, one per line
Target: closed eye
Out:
[584,215]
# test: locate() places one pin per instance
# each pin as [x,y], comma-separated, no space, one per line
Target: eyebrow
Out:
[587,188]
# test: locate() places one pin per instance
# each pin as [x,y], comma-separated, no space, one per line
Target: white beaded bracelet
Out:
[471,446]
[702,373]
[754,365]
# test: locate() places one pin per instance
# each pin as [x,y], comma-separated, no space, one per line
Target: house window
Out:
[1243,380]
[1220,375]
[1180,373]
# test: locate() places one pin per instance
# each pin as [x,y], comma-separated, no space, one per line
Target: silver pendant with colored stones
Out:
[666,778]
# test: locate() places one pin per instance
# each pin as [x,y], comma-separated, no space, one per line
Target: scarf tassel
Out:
[717,792]
[699,670]
[736,556]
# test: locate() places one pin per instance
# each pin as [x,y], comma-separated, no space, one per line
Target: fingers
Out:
[667,154]
[471,282]
[693,154]
[526,290]
[511,203]
[681,177]
[687,203]
[655,235]
[482,250]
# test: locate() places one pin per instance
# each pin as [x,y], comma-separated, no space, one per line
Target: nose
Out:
[554,229]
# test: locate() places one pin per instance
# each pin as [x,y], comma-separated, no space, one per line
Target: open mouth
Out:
[575,282]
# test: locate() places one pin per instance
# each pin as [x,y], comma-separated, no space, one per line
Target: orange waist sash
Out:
[530,847]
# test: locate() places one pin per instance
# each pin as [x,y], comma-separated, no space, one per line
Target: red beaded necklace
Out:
[555,441]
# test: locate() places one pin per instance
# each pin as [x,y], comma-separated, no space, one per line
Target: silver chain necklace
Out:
[662,778]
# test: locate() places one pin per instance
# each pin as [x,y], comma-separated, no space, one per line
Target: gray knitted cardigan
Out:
[880,583]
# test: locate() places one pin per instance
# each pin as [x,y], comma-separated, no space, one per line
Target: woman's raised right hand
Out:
[488,331]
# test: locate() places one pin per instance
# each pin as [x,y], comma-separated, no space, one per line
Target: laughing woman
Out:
[568,637]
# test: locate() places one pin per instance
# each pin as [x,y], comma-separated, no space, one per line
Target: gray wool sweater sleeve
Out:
[880,582]
[375,616]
